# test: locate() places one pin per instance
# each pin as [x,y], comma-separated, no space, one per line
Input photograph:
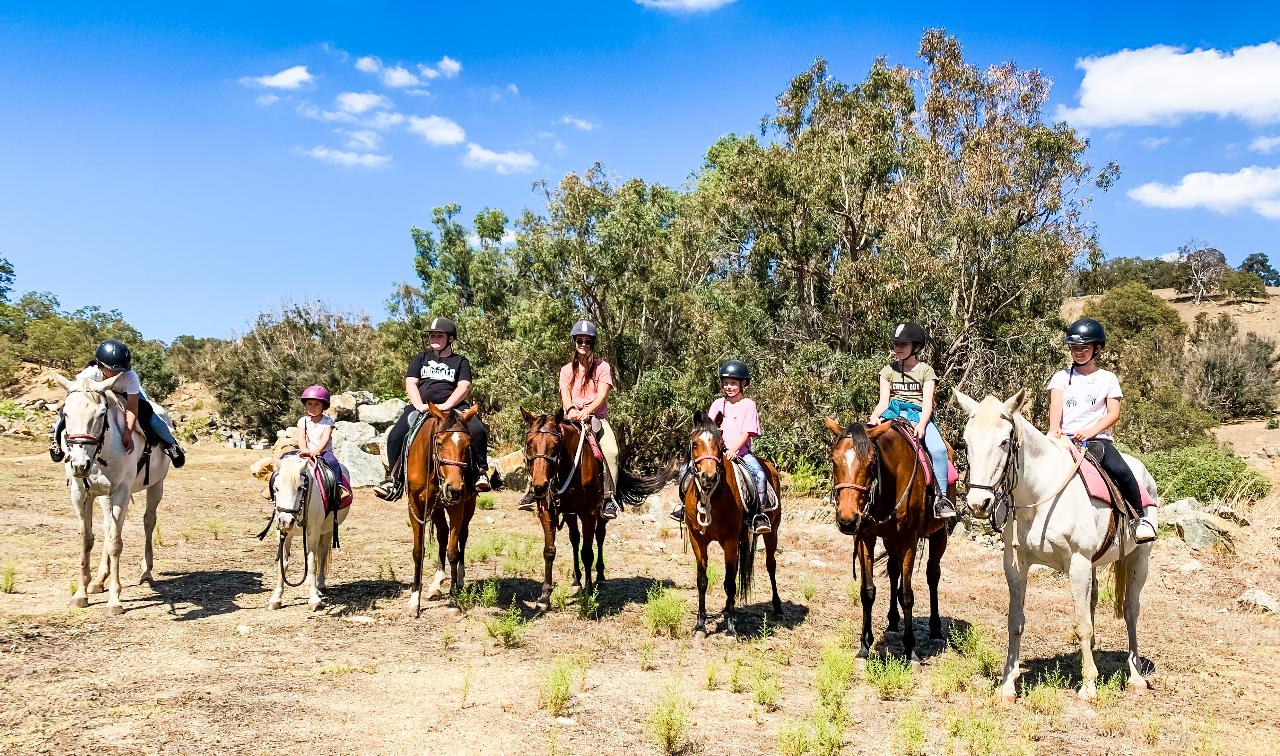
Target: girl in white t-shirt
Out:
[1084,402]
[314,433]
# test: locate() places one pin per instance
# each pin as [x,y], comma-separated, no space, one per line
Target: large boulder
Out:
[363,397]
[357,433]
[383,414]
[659,504]
[343,406]
[1200,525]
[364,469]
[1254,600]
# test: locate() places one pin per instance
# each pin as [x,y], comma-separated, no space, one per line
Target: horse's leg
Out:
[865,546]
[589,551]
[1015,574]
[458,532]
[574,546]
[1080,573]
[84,510]
[312,539]
[442,544]
[286,540]
[114,546]
[700,559]
[933,573]
[771,563]
[1135,566]
[893,569]
[907,596]
[731,556]
[104,560]
[154,493]
[600,532]
[324,551]
[414,606]
[548,556]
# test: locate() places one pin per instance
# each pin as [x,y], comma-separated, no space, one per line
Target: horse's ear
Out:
[469,413]
[529,417]
[836,428]
[105,385]
[1014,403]
[62,381]
[559,416]
[966,402]
[697,417]
[436,411]
[717,418]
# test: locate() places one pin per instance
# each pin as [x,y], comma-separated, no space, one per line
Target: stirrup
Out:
[677,514]
[56,453]
[760,524]
[388,490]
[1144,531]
[610,510]
[176,454]
[482,483]
[528,503]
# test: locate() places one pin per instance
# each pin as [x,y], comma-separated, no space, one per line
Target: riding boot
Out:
[942,508]
[610,509]
[1146,530]
[55,440]
[677,513]
[760,522]
[529,501]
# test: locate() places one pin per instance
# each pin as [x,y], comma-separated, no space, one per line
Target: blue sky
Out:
[196,166]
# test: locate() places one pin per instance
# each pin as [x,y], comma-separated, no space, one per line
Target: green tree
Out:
[1240,286]
[1258,264]
[6,279]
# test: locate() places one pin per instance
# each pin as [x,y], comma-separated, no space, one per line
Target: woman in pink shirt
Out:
[584,394]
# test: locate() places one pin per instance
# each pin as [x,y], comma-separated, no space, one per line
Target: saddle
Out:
[908,432]
[1101,487]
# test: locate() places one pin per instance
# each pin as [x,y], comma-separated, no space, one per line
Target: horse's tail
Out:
[747,543]
[1121,571]
[634,489]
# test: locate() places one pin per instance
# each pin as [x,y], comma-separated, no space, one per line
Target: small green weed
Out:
[486,501]
[890,676]
[669,721]
[557,685]
[1045,695]
[912,731]
[8,578]
[663,610]
[508,628]
[646,656]
[765,687]
[736,683]
[808,589]
[559,598]
[589,605]
[712,669]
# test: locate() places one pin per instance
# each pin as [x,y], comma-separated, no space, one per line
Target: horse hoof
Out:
[915,665]
[1007,697]
[93,588]
[78,602]
[699,633]
[114,610]
[1087,696]
[315,606]
[273,605]
[146,580]
[543,605]
[1138,685]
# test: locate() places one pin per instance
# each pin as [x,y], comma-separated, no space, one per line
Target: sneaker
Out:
[176,454]
[677,514]
[482,483]
[760,524]
[942,508]
[1145,532]
[386,490]
[610,510]
[528,503]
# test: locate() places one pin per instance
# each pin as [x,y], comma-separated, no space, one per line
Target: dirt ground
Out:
[198,664]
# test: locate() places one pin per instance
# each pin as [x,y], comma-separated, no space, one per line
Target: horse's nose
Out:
[540,489]
[978,501]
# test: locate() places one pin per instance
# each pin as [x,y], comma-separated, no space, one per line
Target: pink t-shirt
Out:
[581,394]
[739,417]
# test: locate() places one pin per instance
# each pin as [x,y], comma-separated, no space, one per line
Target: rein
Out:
[436,464]
[557,486]
[1002,488]
[704,495]
[871,491]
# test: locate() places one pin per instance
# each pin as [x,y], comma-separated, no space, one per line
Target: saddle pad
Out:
[909,433]
[593,441]
[1096,485]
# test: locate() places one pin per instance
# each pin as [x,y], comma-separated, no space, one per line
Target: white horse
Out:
[1054,522]
[98,465]
[299,502]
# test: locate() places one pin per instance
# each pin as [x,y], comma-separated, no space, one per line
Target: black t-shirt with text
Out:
[438,376]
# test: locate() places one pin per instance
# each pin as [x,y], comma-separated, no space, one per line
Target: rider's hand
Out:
[127,437]
[732,454]
[306,454]
[920,430]
[1083,436]
[873,421]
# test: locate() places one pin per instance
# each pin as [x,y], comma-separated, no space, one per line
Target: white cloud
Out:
[437,129]
[683,6]
[513,90]
[508,238]
[336,52]
[448,67]
[578,123]
[1265,144]
[380,120]
[383,120]
[360,102]
[368,64]
[1254,188]
[307,110]
[505,163]
[349,159]
[1164,85]
[427,71]
[289,78]
[266,100]
[398,76]
[1154,143]
[362,139]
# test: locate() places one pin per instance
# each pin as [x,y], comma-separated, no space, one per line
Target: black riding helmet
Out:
[443,325]
[736,369]
[1086,331]
[912,332]
[113,355]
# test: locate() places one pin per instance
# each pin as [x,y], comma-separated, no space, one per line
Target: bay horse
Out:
[1027,483]
[441,494]
[879,491]
[568,482]
[715,513]
[98,465]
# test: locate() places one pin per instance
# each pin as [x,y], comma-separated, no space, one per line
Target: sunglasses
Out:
[584,341]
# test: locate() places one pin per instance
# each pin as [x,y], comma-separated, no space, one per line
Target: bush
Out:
[1239,286]
[1204,472]
[1231,377]
[1162,420]
[1131,311]
[890,676]
[669,721]
[663,611]
[557,685]
[508,628]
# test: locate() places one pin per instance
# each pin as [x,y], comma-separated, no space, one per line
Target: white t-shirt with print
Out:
[127,383]
[314,429]
[1084,397]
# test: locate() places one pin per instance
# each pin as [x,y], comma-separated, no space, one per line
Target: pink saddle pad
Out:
[1096,486]
[925,460]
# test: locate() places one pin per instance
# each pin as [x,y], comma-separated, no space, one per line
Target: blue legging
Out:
[933,445]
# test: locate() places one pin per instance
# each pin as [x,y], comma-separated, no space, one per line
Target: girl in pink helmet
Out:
[314,434]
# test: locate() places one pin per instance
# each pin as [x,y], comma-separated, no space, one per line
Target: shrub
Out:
[557,685]
[7,579]
[1240,286]
[1163,419]
[486,501]
[1229,376]
[912,731]
[1133,311]
[508,628]
[669,720]
[1204,472]
[663,611]
[765,687]
[808,480]
[890,676]
[1045,695]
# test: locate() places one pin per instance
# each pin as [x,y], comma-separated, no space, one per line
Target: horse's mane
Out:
[862,443]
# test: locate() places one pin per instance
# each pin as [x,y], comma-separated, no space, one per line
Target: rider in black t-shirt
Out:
[443,378]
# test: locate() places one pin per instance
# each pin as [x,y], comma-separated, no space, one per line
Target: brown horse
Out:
[714,512]
[436,470]
[879,490]
[569,483]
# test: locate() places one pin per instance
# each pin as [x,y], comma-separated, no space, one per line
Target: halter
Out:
[440,463]
[297,509]
[89,439]
[553,460]
[1002,488]
[871,491]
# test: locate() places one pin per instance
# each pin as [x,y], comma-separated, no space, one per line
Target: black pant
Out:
[1119,471]
[149,423]
[479,438]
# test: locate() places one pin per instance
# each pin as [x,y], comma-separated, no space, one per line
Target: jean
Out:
[933,443]
[757,472]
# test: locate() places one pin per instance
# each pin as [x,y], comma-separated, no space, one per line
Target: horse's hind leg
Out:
[575,545]
[442,544]
[1135,567]
[933,573]
[771,563]
[1081,574]
[149,525]
[894,572]
[600,531]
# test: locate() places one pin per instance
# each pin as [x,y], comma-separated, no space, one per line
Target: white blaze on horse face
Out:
[709,440]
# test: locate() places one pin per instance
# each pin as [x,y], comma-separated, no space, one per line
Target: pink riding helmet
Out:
[316,392]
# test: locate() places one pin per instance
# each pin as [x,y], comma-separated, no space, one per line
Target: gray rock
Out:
[659,504]
[1226,513]
[382,415]
[1254,600]
[364,469]
[356,433]
[508,462]
[363,397]
[516,480]
[1206,531]
[1272,451]
[343,407]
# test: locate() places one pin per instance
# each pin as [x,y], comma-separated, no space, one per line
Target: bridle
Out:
[1006,480]
[439,463]
[552,460]
[871,491]
[704,494]
[93,441]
